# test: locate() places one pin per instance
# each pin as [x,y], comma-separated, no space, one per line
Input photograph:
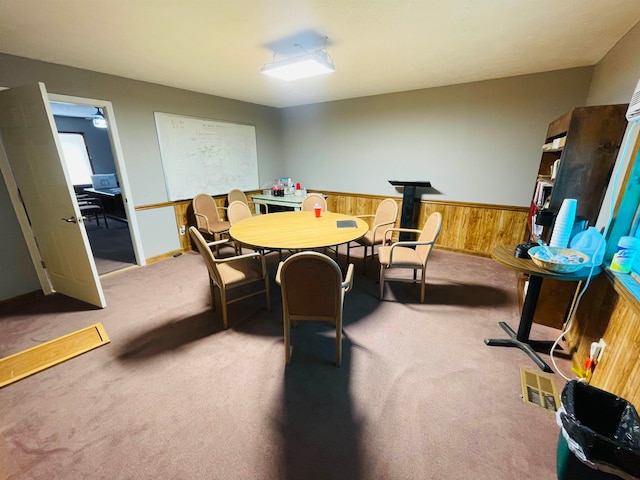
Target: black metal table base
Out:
[529,347]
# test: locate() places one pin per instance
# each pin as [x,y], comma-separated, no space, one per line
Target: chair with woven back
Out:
[236,212]
[228,273]
[236,195]
[312,289]
[384,218]
[409,254]
[311,200]
[208,220]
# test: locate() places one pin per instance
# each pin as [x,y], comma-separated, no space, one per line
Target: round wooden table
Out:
[505,256]
[298,230]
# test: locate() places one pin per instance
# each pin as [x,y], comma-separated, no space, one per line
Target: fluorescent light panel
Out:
[302,66]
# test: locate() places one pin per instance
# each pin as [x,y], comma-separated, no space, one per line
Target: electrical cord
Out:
[586,282]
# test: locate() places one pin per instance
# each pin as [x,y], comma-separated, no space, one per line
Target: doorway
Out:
[111,233]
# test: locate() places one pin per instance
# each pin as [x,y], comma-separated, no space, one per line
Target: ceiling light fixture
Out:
[98,119]
[303,66]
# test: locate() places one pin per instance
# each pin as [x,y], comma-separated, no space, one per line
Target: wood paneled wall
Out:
[470,228]
[608,311]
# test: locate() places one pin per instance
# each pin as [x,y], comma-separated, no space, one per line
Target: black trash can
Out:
[599,437]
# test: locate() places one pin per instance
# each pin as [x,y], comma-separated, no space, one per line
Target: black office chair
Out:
[91,206]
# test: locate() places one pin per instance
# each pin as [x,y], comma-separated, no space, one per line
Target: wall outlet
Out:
[183,229]
[602,346]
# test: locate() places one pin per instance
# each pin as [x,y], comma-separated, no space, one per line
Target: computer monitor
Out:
[103,181]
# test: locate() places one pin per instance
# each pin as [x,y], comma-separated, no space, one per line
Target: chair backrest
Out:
[386,212]
[207,254]
[311,286]
[236,195]
[311,200]
[204,204]
[429,233]
[237,211]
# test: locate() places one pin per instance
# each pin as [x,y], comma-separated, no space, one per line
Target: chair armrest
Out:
[217,242]
[200,216]
[385,238]
[348,279]
[365,216]
[278,273]
[378,226]
[266,206]
[406,244]
[238,257]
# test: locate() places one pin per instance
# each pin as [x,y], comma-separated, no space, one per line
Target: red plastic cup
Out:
[317,210]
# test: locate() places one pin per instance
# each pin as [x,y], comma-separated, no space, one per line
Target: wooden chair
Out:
[385,217]
[312,289]
[311,200]
[236,195]
[208,218]
[232,272]
[236,212]
[409,254]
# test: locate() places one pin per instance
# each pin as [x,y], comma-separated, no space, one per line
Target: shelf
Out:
[555,145]
[583,145]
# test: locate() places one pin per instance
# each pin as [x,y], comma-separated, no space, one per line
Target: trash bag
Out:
[601,429]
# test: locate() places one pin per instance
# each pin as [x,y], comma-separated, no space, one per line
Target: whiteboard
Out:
[206,156]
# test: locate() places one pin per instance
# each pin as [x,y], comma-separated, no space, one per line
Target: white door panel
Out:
[35,156]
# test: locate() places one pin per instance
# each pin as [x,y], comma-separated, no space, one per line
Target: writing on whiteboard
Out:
[206,156]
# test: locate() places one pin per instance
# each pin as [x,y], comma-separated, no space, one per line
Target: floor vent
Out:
[539,390]
[48,354]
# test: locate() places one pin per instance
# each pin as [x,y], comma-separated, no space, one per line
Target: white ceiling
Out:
[217,47]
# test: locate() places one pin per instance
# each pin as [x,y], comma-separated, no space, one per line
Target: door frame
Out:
[118,157]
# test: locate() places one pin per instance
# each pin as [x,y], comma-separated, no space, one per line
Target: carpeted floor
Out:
[112,247]
[173,396]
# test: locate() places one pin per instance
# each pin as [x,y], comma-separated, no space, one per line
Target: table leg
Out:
[521,339]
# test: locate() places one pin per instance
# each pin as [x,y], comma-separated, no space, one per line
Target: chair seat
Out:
[367,239]
[241,271]
[402,257]
[219,227]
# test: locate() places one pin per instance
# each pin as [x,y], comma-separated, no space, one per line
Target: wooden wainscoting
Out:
[184,216]
[475,228]
[608,311]
[471,228]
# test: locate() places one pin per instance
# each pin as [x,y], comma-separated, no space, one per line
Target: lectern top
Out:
[410,184]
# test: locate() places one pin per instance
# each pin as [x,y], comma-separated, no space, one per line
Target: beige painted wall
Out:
[134,103]
[476,142]
[616,75]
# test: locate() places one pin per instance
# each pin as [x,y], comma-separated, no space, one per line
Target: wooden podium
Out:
[408,200]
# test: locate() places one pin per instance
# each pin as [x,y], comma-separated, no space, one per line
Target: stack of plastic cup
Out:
[564,223]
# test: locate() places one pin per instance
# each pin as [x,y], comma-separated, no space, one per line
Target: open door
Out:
[34,155]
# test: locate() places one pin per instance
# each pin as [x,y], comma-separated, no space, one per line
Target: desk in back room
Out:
[111,199]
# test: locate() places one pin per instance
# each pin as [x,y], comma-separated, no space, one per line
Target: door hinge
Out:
[43,264]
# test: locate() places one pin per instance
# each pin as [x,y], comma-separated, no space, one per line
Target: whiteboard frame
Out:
[176,189]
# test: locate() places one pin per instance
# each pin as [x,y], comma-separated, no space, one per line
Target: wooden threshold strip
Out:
[38,358]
